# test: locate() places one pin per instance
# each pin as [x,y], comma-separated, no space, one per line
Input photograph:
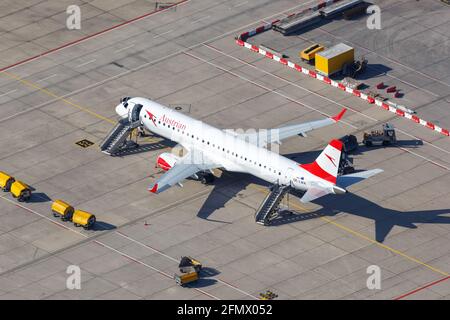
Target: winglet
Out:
[154,189]
[339,116]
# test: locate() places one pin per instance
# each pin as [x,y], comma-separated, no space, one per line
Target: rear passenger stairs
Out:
[269,207]
[116,139]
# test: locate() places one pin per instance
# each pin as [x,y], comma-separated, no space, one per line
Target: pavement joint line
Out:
[201,19]
[139,67]
[9,92]
[85,63]
[72,43]
[46,91]
[139,18]
[362,236]
[161,34]
[241,40]
[124,48]
[287,81]
[240,4]
[323,97]
[370,51]
[175,260]
[426,159]
[100,243]
[155,213]
[390,59]
[149,266]
[51,94]
[46,78]
[320,95]
[407,294]
[265,88]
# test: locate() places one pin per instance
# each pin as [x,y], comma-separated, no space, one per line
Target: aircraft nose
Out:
[122,111]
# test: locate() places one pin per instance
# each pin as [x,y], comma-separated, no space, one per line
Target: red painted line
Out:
[90,36]
[422,288]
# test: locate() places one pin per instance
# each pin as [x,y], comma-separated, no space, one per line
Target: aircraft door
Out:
[134,112]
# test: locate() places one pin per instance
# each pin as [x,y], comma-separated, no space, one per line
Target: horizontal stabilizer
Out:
[314,193]
[350,179]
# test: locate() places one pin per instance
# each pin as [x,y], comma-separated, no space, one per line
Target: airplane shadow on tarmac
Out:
[230,185]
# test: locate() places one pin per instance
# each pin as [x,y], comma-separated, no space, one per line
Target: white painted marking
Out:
[144,65]
[161,34]
[326,98]
[175,260]
[266,88]
[240,4]
[99,242]
[201,19]
[124,48]
[6,93]
[85,63]
[46,78]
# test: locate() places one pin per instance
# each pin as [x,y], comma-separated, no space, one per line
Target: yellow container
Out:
[20,191]
[62,209]
[333,59]
[309,53]
[5,181]
[186,278]
[83,219]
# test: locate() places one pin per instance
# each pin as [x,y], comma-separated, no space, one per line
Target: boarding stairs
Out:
[269,207]
[116,140]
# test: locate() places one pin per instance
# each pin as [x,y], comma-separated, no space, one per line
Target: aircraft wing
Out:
[281,133]
[184,168]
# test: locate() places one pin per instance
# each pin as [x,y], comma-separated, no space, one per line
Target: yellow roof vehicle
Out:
[83,219]
[5,181]
[20,191]
[310,53]
[186,278]
[188,264]
[332,60]
[62,209]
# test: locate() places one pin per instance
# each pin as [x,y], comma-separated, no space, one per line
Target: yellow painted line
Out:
[360,235]
[295,205]
[53,95]
[68,102]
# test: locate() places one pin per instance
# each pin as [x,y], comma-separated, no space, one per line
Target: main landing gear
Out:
[205,177]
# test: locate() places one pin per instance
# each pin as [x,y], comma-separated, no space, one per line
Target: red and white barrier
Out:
[241,41]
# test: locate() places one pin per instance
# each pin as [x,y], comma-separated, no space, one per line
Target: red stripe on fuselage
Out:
[316,170]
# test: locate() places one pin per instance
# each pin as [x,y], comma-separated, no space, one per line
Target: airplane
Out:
[210,148]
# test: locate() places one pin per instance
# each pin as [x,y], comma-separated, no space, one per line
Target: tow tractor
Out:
[190,268]
[352,69]
[380,137]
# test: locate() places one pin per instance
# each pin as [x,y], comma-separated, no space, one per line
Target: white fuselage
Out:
[222,147]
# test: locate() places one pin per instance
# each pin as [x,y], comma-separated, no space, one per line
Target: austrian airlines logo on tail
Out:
[321,167]
[331,159]
[152,117]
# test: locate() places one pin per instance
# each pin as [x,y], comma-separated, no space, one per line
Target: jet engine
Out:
[166,160]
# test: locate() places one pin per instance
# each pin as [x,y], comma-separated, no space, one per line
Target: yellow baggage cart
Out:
[309,53]
[6,181]
[63,210]
[20,191]
[186,278]
[83,219]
